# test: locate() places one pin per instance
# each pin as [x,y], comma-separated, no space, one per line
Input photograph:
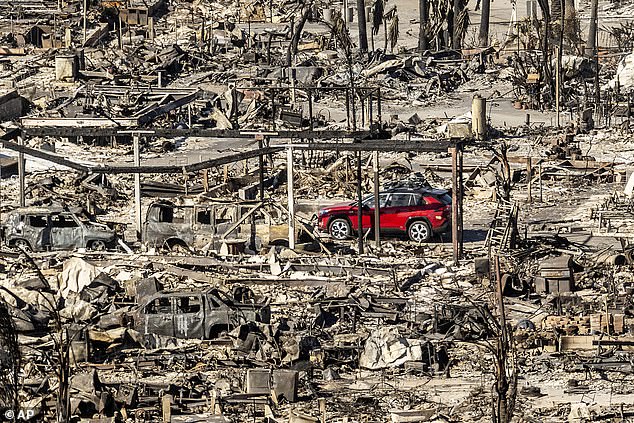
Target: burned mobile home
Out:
[215,137]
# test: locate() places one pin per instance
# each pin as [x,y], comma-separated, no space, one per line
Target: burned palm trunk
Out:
[363,32]
[297,34]
[484,23]
[377,19]
[9,362]
[547,71]
[570,22]
[592,31]
[423,41]
[456,35]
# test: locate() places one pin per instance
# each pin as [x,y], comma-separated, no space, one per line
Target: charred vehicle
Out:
[196,314]
[206,226]
[52,228]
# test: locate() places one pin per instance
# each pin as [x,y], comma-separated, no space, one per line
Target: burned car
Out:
[207,225]
[54,228]
[196,314]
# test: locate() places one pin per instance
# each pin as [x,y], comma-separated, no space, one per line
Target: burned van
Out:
[205,226]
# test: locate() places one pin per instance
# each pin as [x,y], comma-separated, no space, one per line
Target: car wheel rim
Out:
[98,246]
[179,249]
[418,232]
[339,230]
[22,245]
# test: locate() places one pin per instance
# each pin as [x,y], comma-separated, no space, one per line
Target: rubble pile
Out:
[315,211]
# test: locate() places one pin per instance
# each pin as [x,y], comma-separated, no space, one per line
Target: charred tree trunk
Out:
[297,34]
[547,71]
[456,35]
[592,32]
[363,28]
[423,42]
[484,23]
[569,14]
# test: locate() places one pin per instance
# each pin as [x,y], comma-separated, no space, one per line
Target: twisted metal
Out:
[9,360]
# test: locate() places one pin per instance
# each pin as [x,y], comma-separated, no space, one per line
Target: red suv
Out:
[417,212]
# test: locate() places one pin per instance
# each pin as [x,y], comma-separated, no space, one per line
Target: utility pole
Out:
[363,29]
[423,42]
[484,23]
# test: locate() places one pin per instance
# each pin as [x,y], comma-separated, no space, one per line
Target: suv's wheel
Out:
[178,247]
[340,228]
[97,245]
[419,231]
[22,244]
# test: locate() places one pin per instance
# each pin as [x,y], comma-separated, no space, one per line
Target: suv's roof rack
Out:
[415,181]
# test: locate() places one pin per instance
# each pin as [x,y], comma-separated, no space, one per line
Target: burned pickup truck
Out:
[206,225]
[196,314]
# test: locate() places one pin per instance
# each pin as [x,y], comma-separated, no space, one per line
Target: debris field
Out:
[316,211]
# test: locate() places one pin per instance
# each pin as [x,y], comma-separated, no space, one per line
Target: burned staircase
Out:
[502,230]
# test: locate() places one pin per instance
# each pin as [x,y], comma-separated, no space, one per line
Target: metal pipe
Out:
[377,206]
[291,198]
[460,203]
[359,206]
[378,106]
[261,172]
[137,188]
[21,173]
[454,204]
[363,31]
[529,178]
[310,109]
